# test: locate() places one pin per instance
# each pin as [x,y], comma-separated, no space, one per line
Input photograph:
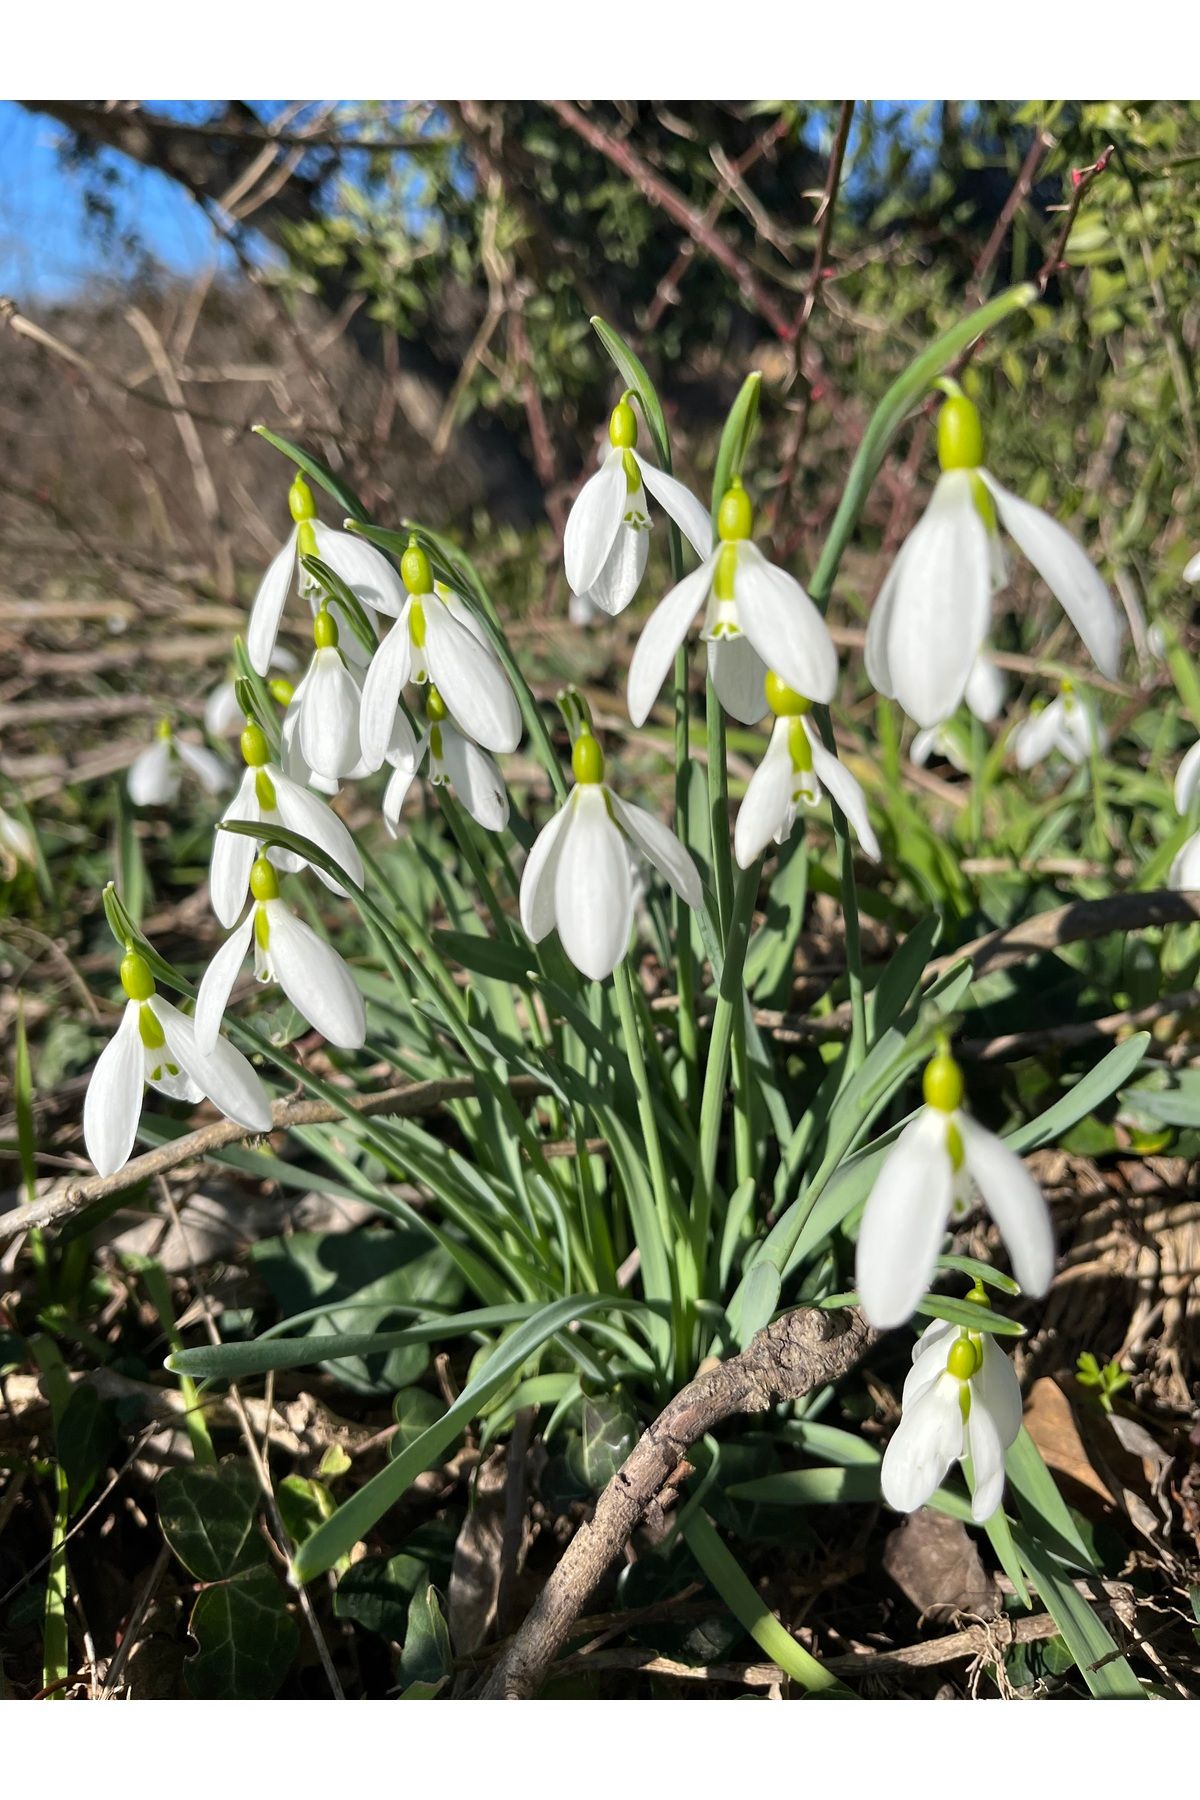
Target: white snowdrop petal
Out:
[153,778]
[927,1440]
[209,770]
[302,812]
[475,779]
[661,637]
[767,800]
[904,1221]
[329,714]
[1036,736]
[593,887]
[223,1073]
[233,854]
[315,979]
[593,523]
[1187,779]
[784,626]
[982,1444]
[363,568]
[738,674]
[996,1384]
[987,689]
[537,877]
[1191,571]
[267,609]
[620,578]
[680,504]
[1016,1203]
[660,846]
[112,1105]
[385,679]
[1068,572]
[222,714]
[939,612]
[879,624]
[1185,870]
[841,785]
[470,680]
[218,982]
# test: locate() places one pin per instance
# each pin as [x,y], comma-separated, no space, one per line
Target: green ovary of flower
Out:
[942,1083]
[587,761]
[633,475]
[264,882]
[325,631]
[149,1029]
[415,571]
[959,434]
[306,538]
[255,750]
[281,690]
[416,625]
[784,701]
[622,426]
[136,978]
[301,504]
[262,930]
[735,515]
[982,500]
[163,729]
[965,1359]
[264,791]
[435,707]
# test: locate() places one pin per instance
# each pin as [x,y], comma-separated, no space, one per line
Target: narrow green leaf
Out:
[321,473]
[633,373]
[739,430]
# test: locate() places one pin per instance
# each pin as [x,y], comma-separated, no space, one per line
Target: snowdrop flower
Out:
[154,776]
[156,1044]
[932,615]
[327,704]
[1192,569]
[961,1399]
[756,618]
[454,761]
[436,639]
[928,1175]
[1070,725]
[286,950]
[363,568]
[17,845]
[607,539]
[578,877]
[791,774]
[986,692]
[1185,870]
[265,794]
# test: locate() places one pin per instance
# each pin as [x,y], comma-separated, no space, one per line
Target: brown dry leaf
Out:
[474,1590]
[935,1564]
[1050,1422]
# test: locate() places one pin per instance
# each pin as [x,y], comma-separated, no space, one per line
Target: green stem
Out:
[626,1008]
[731,1004]
[689,1035]
[718,808]
[857,1048]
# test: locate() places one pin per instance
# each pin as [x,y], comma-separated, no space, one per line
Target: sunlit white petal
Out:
[927,1440]
[1068,572]
[841,786]
[593,889]
[315,979]
[475,779]
[537,877]
[363,568]
[783,625]
[113,1103]
[738,673]
[1015,1202]
[471,680]
[661,637]
[680,504]
[660,846]
[222,1073]
[218,984]
[153,778]
[593,522]
[329,714]
[267,609]
[904,1221]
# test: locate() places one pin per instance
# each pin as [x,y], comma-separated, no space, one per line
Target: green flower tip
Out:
[784,701]
[281,690]
[325,631]
[942,1083]
[264,882]
[959,433]
[415,571]
[163,729]
[622,426]
[587,760]
[136,978]
[301,504]
[735,515]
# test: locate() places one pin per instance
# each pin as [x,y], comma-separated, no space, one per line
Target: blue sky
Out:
[48,244]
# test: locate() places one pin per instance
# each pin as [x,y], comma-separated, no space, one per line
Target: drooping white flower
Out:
[961,1399]
[156,1044]
[287,951]
[327,706]
[607,539]
[453,760]
[223,716]
[265,794]
[154,776]
[1185,869]
[437,639]
[986,691]
[756,618]
[791,774]
[928,1175]
[1070,725]
[578,878]
[933,612]
[365,570]
[17,845]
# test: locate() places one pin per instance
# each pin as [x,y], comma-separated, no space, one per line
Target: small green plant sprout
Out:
[1105,1379]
